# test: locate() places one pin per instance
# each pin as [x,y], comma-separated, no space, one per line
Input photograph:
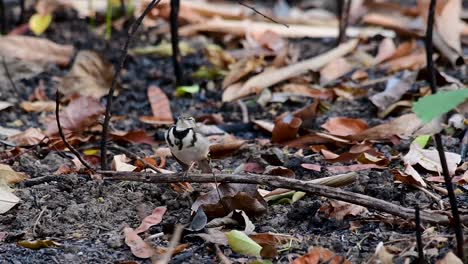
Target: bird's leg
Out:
[186,171]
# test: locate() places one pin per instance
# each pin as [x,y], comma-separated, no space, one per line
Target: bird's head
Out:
[185,122]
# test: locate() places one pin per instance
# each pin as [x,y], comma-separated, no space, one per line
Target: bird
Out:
[188,146]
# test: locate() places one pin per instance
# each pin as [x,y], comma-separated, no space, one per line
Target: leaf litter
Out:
[325,110]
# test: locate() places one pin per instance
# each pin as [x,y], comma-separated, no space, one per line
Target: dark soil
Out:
[86,216]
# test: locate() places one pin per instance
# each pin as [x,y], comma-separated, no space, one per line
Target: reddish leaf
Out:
[224,145]
[151,220]
[317,255]
[310,166]
[136,137]
[286,127]
[342,126]
[137,245]
[160,106]
[339,210]
[80,114]
[30,136]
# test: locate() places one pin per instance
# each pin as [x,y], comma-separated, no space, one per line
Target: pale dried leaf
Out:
[339,210]
[137,245]
[119,163]
[151,220]
[448,23]
[429,159]
[38,106]
[29,137]
[160,106]
[334,69]
[9,176]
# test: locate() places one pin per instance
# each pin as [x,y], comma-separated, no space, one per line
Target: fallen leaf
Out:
[35,49]
[265,125]
[224,145]
[450,258]
[7,199]
[409,177]
[90,75]
[242,244]
[339,210]
[78,115]
[413,61]
[153,219]
[137,245]
[268,78]
[120,163]
[317,255]
[38,106]
[135,137]
[448,23]
[383,254]
[39,23]
[243,197]
[429,159]
[265,39]
[184,90]
[279,171]
[432,106]
[286,128]
[342,126]
[9,176]
[38,244]
[160,106]
[395,88]
[5,105]
[386,49]
[242,68]
[29,137]
[164,48]
[333,70]
[310,166]
[305,90]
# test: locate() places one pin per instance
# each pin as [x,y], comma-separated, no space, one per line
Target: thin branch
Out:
[110,95]
[8,75]
[166,258]
[263,15]
[174,16]
[438,139]
[2,17]
[21,16]
[343,18]
[62,135]
[281,182]
[419,236]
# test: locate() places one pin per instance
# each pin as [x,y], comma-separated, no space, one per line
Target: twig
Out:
[110,95]
[174,15]
[260,13]
[222,258]
[172,245]
[281,182]
[21,16]
[62,135]
[2,17]
[37,220]
[343,7]
[31,148]
[419,236]
[8,75]
[437,137]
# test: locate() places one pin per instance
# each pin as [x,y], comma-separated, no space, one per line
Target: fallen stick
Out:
[241,27]
[286,183]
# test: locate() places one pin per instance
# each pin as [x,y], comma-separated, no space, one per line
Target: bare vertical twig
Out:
[62,135]
[8,75]
[166,258]
[419,243]
[2,17]
[343,7]
[437,137]
[21,16]
[175,4]
[110,95]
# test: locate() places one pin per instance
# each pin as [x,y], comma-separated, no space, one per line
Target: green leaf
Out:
[297,196]
[422,140]
[242,244]
[39,23]
[433,106]
[208,73]
[183,90]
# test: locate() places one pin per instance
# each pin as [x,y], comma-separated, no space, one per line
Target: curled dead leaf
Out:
[339,210]
[342,126]
[286,128]
[160,106]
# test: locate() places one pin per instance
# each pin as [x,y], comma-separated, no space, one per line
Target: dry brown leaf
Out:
[265,124]
[265,39]
[334,69]
[342,126]
[448,23]
[414,61]
[450,258]
[317,255]
[35,49]
[160,106]
[38,106]
[383,254]
[305,90]
[309,166]
[137,245]
[224,145]
[135,136]
[153,219]
[395,88]
[354,167]
[386,49]
[404,49]
[397,22]
[429,159]
[78,115]
[240,69]
[268,78]
[286,128]
[339,210]
[9,176]
[29,137]
[90,75]
[410,177]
